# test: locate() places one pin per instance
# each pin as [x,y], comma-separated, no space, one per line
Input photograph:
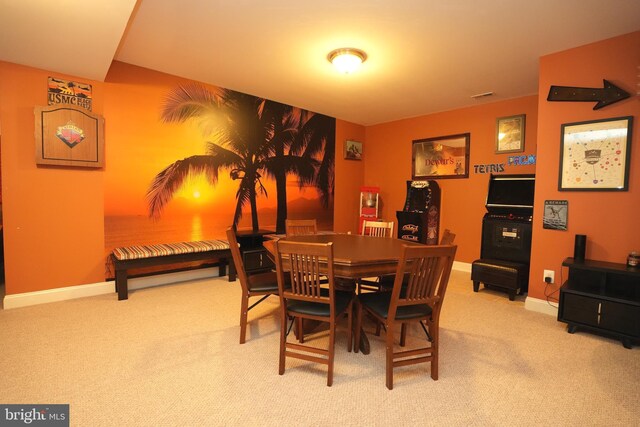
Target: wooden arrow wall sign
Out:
[605,96]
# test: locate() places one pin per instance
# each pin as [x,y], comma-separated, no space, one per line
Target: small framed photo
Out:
[510,134]
[555,214]
[595,155]
[353,150]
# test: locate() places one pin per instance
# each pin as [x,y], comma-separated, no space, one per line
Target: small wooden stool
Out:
[512,277]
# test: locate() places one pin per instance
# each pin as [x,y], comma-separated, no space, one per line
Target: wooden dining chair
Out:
[261,284]
[294,227]
[308,298]
[419,301]
[374,229]
[386,282]
[377,228]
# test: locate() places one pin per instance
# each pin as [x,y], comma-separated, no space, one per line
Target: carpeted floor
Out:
[169,356]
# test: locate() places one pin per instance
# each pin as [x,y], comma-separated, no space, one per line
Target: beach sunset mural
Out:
[196,159]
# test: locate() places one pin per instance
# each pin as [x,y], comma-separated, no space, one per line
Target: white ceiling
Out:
[424,56]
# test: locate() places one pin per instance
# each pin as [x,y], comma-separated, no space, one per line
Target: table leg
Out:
[365,348]
[310,325]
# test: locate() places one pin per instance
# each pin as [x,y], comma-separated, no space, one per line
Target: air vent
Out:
[482,95]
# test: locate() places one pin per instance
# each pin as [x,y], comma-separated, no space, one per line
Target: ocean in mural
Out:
[127,230]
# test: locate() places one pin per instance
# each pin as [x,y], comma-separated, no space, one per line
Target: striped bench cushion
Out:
[150,251]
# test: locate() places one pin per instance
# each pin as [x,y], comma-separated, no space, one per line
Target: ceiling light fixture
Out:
[347,60]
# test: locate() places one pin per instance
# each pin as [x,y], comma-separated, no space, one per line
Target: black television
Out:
[511,193]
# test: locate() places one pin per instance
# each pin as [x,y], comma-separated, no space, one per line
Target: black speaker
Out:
[580,247]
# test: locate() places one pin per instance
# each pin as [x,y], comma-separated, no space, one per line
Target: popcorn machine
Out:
[369,205]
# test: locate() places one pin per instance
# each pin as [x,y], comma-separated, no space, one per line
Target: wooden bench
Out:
[135,257]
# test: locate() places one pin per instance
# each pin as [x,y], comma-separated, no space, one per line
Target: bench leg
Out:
[222,268]
[121,285]
[230,269]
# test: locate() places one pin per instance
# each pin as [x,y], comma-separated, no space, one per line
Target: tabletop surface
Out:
[355,255]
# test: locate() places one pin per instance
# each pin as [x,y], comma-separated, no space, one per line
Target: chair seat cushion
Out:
[321,309]
[263,282]
[378,303]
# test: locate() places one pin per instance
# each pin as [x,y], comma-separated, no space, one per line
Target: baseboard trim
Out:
[58,294]
[462,266]
[540,306]
[102,288]
[72,292]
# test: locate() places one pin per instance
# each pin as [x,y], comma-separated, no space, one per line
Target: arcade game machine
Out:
[506,235]
[419,221]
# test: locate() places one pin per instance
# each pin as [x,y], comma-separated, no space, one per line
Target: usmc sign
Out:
[67,92]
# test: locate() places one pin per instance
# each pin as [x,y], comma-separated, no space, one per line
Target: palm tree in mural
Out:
[252,137]
[299,138]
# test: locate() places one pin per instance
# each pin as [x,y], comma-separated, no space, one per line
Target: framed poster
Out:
[595,155]
[555,214]
[510,134]
[441,157]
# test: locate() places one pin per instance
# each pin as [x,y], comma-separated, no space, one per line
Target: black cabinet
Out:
[505,253]
[412,226]
[256,259]
[254,255]
[603,297]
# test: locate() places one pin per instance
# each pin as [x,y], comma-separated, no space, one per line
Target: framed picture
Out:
[555,214]
[441,157]
[510,134]
[595,155]
[353,150]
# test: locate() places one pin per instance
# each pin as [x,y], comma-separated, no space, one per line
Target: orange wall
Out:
[349,178]
[388,163]
[52,217]
[609,219]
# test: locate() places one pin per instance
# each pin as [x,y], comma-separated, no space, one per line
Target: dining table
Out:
[354,257]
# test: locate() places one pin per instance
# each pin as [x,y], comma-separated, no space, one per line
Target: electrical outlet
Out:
[549,274]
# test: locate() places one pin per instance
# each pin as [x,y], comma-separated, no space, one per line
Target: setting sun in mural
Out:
[196,189]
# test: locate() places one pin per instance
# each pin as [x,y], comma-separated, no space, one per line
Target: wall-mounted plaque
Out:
[555,214]
[60,91]
[69,136]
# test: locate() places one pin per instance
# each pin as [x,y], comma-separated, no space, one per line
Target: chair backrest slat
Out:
[377,228]
[305,273]
[295,227]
